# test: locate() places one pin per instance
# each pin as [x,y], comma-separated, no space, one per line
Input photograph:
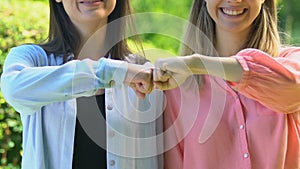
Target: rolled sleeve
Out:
[113,70]
[269,81]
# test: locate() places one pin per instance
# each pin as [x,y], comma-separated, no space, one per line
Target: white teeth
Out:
[232,12]
[92,1]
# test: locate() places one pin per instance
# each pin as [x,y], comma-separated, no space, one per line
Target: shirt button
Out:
[109,107]
[112,162]
[242,126]
[112,83]
[246,155]
[111,134]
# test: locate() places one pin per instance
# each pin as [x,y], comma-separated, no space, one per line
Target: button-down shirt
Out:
[44,90]
[253,124]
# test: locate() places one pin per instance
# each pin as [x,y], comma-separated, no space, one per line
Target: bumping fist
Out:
[170,73]
[139,78]
[167,74]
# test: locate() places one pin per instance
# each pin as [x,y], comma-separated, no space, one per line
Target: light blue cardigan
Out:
[44,91]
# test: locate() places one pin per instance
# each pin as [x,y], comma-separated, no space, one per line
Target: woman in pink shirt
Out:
[241,108]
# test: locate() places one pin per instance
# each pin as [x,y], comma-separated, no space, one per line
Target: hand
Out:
[139,78]
[171,72]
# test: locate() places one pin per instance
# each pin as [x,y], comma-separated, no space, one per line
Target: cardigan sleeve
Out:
[272,81]
[31,78]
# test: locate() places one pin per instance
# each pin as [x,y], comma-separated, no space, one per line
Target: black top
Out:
[87,153]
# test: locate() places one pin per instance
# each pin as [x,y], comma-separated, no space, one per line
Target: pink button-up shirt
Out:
[254,124]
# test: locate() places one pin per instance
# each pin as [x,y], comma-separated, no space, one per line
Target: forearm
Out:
[227,68]
[30,87]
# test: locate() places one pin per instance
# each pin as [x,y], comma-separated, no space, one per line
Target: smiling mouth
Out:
[91,1]
[232,12]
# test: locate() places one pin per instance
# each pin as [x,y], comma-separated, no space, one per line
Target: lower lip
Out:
[96,3]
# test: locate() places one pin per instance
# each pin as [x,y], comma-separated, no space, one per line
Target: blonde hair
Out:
[200,35]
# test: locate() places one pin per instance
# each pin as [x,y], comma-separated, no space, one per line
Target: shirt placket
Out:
[242,133]
[110,136]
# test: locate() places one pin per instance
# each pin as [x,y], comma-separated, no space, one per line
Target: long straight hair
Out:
[200,35]
[64,39]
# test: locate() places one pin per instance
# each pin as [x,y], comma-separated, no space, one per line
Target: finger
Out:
[161,75]
[135,88]
[158,85]
[162,85]
[167,74]
[158,70]
[137,92]
[132,85]
[155,75]
[144,87]
[170,84]
[140,95]
[150,88]
[151,85]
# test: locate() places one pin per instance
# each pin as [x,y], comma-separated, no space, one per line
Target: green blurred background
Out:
[26,21]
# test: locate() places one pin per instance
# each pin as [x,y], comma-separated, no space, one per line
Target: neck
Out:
[93,37]
[229,43]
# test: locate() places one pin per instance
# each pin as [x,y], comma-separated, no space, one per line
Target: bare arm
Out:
[172,72]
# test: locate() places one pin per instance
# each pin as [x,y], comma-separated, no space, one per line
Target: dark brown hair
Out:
[64,39]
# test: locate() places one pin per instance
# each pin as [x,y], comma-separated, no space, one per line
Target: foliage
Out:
[10,136]
[18,25]
[176,8]
[288,10]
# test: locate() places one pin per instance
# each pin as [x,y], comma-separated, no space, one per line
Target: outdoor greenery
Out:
[19,24]
[26,21]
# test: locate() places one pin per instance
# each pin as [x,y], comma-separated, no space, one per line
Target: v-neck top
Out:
[87,153]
